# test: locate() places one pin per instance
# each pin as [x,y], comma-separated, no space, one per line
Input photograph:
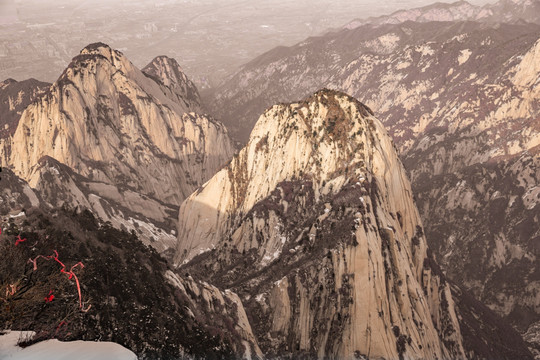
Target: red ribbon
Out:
[69,273]
[49,297]
[19,240]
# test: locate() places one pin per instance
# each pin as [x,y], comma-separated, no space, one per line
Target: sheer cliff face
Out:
[314,226]
[461,102]
[123,136]
[106,120]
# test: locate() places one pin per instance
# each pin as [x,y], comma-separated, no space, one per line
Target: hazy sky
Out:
[209,38]
[9,13]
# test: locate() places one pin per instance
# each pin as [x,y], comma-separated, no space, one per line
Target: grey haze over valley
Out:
[209,38]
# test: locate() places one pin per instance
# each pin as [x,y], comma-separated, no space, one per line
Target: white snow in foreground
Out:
[18,215]
[57,350]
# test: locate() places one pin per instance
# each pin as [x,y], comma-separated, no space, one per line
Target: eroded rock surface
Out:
[314,226]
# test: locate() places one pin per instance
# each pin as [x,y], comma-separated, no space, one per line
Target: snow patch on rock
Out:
[58,350]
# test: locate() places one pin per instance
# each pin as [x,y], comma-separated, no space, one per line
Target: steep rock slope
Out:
[131,138]
[153,221]
[106,120]
[461,101]
[314,226]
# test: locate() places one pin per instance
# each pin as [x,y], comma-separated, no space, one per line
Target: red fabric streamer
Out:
[49,297]
[70,274]
[19,240]
[62,323]
[12,291]
[34,261]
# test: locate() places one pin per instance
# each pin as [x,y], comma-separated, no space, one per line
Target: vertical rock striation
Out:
[461,100]
[131,138]
[314,226]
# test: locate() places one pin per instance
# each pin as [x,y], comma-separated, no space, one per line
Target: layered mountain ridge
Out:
[167,72]
[504,11]
[314,226]
[124,135]
[461,101]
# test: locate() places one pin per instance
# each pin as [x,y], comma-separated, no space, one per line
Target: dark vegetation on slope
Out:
[498,212]
[485,334]
[131,301]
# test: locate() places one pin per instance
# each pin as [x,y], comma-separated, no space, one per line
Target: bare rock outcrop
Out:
[129,137]
[313,225]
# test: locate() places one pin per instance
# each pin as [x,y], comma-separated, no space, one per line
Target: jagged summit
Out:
[97,50]
[102,49]
[112,124]
[96,56]
[314,226]
[169,73]
[167,67]
[95,47]
[329,137]
[333,100]
[331,127]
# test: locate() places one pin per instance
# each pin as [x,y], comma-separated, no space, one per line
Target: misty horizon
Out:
[208,38]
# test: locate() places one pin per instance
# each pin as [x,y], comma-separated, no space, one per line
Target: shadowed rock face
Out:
[461,101]
[314,226]
[15,194]
[15,96]
[124,137]
[168,73]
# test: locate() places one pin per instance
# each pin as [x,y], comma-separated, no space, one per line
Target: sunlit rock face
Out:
[105,119]
[314,226]
[461,101]
[133,139]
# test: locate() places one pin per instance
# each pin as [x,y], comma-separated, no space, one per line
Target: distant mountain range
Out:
[503,11]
